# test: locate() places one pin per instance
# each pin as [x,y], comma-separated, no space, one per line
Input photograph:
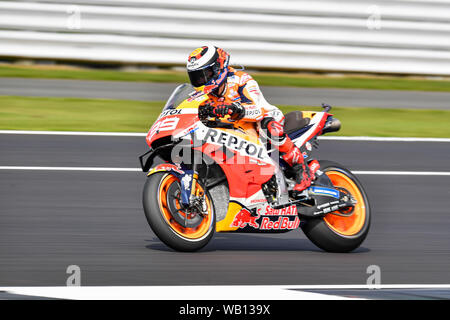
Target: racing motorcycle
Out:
[207,175]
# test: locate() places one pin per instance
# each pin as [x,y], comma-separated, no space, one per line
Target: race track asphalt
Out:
[52,219]
[275,95]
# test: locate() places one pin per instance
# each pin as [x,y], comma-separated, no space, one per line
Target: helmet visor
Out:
[201,77]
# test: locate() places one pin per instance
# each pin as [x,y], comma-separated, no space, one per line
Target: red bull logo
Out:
[287,219]
[283,223]
[244,218]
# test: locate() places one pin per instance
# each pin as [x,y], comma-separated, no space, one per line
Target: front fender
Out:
[167,167]
[185,177]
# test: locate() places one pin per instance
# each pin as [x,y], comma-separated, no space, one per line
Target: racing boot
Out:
[291,154]
[294,157]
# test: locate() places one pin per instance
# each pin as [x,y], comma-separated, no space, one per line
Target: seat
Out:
[294,121]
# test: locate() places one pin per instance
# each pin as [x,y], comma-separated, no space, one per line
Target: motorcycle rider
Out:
[237,94]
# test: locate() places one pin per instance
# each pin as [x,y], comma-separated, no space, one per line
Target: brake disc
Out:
[184,216]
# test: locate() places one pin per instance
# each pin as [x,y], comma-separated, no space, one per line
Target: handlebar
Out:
[218,124]
[206,115]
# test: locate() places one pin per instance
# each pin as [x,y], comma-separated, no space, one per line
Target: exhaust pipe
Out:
[332,125]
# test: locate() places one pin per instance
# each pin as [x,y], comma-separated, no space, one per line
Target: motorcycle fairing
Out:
[244,154]
[313,129]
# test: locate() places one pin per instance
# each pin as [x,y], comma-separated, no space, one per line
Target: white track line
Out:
[76,133]
[403,173]
[139,134]
[384,139]
[171,293]
[392,173]
[230,292]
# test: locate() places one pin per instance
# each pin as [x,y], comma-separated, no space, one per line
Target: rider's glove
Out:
[222,110]
[205,111]
[238,111]
[235,110]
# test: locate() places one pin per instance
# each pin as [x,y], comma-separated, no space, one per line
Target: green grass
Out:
[354,82]
[390,122]
[91,74]
[268,79]
[73,114]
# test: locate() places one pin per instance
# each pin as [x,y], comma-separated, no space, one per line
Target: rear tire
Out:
[159,189]
[341,234]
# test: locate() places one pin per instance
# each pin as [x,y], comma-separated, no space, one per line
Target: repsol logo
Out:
[253,113]
[234,143]
[170,112]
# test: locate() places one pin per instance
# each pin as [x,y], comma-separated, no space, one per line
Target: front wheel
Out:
[340,233]
[176,227]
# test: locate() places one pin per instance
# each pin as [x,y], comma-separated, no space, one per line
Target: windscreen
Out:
[180,94]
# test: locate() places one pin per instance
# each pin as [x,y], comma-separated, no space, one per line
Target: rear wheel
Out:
[340,233]
[176,227]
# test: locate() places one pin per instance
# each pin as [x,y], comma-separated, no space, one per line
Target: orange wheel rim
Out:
[347,226]
[195,233]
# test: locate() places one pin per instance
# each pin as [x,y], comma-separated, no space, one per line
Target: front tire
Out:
[334,233]
[161,210]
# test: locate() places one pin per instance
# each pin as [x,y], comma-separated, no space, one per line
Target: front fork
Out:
[189,192]
[194,182]
[189,196]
